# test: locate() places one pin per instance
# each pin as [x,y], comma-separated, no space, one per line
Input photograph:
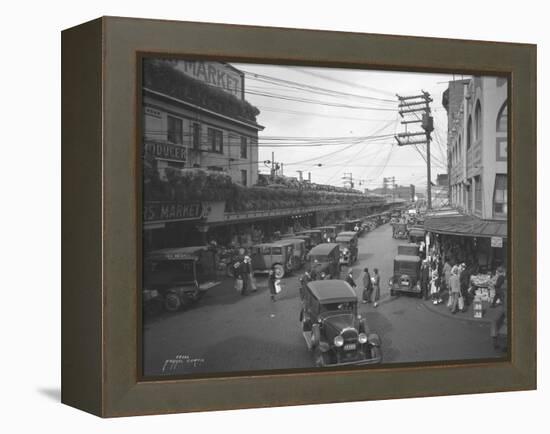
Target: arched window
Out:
[469,133]
[502,118]
[459,147]
[478,120]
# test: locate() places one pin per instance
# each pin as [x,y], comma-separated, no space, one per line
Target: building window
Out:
[196,132]
[215,140]
[244,176]
[244,147]
[469,133]
[478,193]
[500,201]
[469,196]
[175,130]
[478,121]
[502,118]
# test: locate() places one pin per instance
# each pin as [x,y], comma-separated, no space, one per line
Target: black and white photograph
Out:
[299,217]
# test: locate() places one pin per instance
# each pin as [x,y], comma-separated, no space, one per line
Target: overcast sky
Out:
[350,105]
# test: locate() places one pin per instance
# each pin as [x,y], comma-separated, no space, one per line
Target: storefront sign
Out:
[496,242]
[214,74]
[172,211]
[165,151]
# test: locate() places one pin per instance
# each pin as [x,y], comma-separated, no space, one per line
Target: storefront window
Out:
[478,193]
[244,147]
[215,139]
[196,136]
[478,121]
[469,133]
[500,202]
[175,130]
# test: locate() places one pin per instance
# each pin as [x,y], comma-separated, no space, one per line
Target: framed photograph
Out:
[260,217]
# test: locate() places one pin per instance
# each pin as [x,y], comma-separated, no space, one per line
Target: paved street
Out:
[228,332]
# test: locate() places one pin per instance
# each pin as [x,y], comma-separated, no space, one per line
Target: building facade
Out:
[195,116]
[477,146]
[473,229]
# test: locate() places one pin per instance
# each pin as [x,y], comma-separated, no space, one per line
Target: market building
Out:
[476,221]
[200,164]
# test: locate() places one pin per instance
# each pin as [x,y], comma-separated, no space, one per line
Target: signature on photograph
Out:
[181,361]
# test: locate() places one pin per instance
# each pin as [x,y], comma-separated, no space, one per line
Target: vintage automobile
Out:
[400,231]
[410,249]
[300,251]
[307,239]
[348,247]
[334,332]
[328,233]
[177,277]
[323,261]
[279,255]
[406,275]
[315,235]
[417,234]
[355,225]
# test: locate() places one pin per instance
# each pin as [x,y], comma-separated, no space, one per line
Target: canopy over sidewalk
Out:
[452,222]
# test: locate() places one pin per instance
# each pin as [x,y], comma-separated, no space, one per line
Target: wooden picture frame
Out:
[101,221]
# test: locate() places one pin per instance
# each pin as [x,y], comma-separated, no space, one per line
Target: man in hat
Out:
[367,286]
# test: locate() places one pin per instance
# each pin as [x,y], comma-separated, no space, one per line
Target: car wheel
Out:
[279,271]
[172,303]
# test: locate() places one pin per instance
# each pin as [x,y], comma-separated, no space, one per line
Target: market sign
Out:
[496,241]
[165,151]
[172,211]
[215,74]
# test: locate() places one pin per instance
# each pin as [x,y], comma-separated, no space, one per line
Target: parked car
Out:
[334,332]
[406,275]
[410,249]
[323,261]
[279,255]
[355,225]
[348,247]
[316,236]
[176,277]
[300,251]
[417,234]
[400,231]
[328,233]
[306,237]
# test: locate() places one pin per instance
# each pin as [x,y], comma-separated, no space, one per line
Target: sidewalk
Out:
[489,314]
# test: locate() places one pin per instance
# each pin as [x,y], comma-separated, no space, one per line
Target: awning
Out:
[454,223]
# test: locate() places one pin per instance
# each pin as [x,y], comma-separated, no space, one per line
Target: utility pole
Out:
[418,104]
[348,179]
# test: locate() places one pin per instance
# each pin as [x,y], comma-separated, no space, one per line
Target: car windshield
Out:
[318,258]
[406,268]
[169,271]
[337,307]
[276,250]
[343,244]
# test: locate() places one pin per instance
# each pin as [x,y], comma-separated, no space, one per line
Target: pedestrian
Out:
[376,286]
[435,286]
[425,279]
[349,278]
[445,285]
[454,284]
[500,286]
[367,286]
[271,284]
[251,284]
[243,273]
[304,280]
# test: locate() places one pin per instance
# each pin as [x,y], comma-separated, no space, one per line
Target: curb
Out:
[446,313]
